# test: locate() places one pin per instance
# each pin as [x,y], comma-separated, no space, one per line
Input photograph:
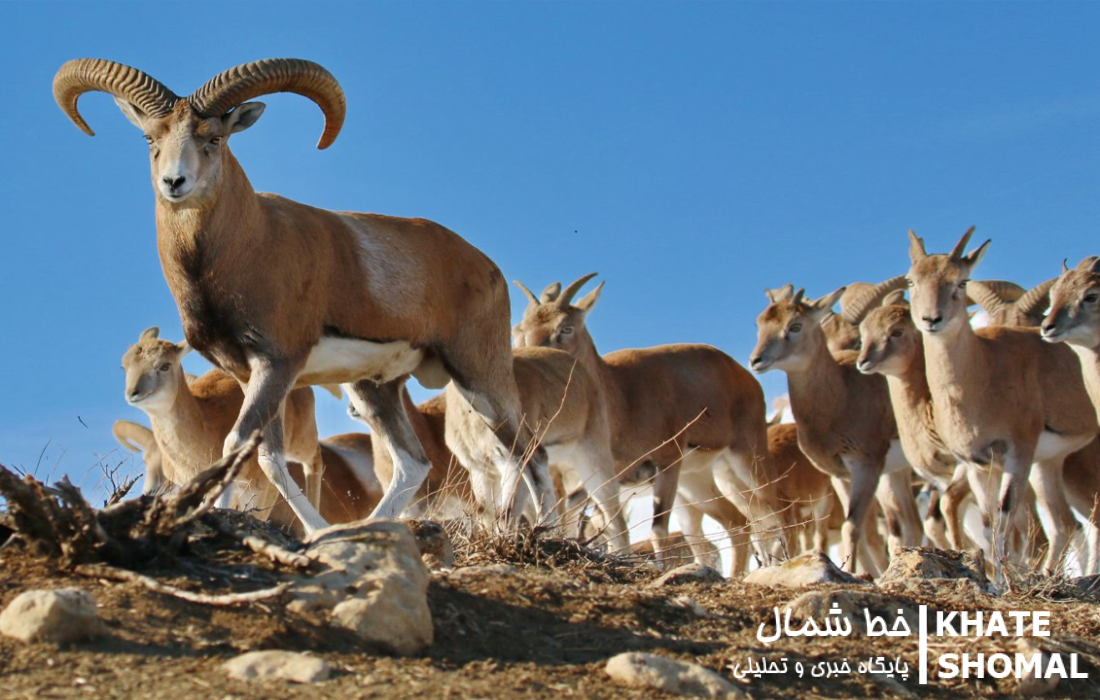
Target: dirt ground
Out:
[542,630]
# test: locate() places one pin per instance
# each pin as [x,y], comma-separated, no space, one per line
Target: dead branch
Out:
[277,554]
[114,574]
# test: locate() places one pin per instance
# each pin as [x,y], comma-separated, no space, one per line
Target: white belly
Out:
[1052,445]
[345,360]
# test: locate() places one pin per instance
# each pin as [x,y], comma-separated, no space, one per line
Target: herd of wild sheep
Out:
[534,425]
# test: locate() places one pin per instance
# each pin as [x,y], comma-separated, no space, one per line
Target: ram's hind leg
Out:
[380,405]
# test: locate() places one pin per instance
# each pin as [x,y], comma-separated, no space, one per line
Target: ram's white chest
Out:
[344,360]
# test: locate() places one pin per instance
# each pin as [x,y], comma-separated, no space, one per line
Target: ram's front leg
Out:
[264,401]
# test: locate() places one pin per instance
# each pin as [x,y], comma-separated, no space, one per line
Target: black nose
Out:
[754,361]
[932,321]
[1048,327]
[174,183]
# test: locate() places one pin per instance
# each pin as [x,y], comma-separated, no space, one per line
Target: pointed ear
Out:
[135,115]
[825,304]
[182,349]
[243,117]
[589,300]
[780,293]
[335,390]
[551,292]
[149,334]
[916,247]
[895,298]
[975,256]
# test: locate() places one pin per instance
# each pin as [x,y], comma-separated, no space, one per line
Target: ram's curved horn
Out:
[83,75]
[571,291]
[867,297]
[248,81]
[985,295]
[1036,299]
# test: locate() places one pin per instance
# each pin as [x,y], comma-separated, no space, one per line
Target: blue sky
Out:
[691,153]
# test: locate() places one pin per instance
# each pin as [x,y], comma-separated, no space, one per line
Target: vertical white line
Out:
[922,678]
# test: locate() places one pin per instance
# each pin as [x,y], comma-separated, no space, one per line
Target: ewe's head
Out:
[938,285]
[552,320]
[187,136]
[1074,315]
[889,342]
[789,331]
[154,371]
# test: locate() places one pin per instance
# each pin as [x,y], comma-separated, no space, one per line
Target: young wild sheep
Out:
[283,295]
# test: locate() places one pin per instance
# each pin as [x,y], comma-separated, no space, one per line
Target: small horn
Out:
[83,75]
[248,81]
[1036,299]
[532,300]
[797,298]
[1065,267]
[960,248]
[866,298]
[571,291]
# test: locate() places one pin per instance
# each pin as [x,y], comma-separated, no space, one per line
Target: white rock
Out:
[804,570]
[59,616]
[278,665]
[670,675]
[372,582]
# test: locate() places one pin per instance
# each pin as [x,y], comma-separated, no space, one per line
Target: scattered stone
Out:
[688,603]
[277,665]
[472,572]
[436,548]
[803,570]
[372,582]
[849,605]
[922,562]
[58,616]
[1033,684]
[1089,585]
[670,675]
[689,573]
[961,592]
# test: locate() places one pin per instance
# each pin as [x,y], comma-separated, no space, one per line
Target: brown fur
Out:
[995,391]
[844,418]
[666,402]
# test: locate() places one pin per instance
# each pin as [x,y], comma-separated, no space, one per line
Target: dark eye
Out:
[795,328]
[165,367]
[1091,298]
[566,330]
[962,285]
[896,334]
[215,140]
[148,139]
[908,282]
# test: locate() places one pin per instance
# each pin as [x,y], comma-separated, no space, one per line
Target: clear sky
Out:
[691,153]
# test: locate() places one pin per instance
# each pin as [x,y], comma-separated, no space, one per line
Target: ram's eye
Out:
[148,139]
[214,141]
[896,333]
[1091,297]
[795,328]
[165,367]
[962,285]
[908,282]
[566,330]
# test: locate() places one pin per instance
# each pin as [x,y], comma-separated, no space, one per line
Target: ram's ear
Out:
[182,349]
[589,300]
[242,117]
[151,333]
[135,115]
